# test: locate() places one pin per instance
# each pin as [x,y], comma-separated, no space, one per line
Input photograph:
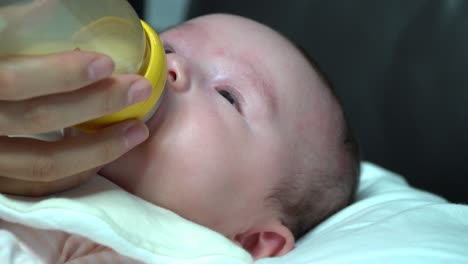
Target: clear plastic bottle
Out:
[111,27]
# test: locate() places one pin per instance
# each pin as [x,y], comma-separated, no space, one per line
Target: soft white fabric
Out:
[25,245]
[389,223]
[101,211]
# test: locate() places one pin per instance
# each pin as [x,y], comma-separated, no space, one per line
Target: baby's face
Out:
[222,137]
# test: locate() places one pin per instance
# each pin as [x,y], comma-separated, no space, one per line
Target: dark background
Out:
[401,69]
[138,5]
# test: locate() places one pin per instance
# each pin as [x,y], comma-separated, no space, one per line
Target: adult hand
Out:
[45,93]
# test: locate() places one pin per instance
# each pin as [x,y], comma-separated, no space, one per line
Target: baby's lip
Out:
[156,119]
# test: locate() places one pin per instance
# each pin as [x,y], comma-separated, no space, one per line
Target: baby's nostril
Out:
[173,76]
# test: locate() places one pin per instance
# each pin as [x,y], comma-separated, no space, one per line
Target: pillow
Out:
[390,222]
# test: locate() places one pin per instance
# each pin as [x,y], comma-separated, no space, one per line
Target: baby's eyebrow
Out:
[263,87]
[266,91]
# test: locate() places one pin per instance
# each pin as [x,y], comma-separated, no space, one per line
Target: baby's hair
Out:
[309,195]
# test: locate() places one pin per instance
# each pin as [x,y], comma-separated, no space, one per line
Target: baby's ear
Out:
[271,240]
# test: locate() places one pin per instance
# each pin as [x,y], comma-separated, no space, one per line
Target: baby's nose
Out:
[178,78]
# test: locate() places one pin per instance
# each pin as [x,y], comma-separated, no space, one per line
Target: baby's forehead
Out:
[278,65]
[279,60]
[244,30]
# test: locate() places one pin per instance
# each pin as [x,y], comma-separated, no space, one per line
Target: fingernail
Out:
[139,91]
[135,134]
[100,68]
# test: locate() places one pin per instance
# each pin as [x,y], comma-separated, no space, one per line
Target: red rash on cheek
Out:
[220,52]
[302,126]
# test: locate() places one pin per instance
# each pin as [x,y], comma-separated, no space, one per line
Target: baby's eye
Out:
[232,96]
[168,49]
[228,96]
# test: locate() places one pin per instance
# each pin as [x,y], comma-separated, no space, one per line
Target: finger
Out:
[32,160]
[30,188]
[71,132]
[47,113]
[23,77]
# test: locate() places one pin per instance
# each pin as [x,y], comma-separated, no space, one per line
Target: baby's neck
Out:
[115,177]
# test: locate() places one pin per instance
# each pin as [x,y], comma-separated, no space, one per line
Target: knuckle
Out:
[107,105]
[7,84]
[72,76]
[38,118]
[67,81]
[79,178]
[115,95]
[44,169]
[37,189]
[108,152]
[69,73]
[77,65]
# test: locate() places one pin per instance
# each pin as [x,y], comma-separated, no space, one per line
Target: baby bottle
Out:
[111,27]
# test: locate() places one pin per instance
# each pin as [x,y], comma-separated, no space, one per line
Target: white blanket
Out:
[390,222]
[101,211]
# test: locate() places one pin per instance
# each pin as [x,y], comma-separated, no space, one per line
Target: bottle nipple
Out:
[153,68]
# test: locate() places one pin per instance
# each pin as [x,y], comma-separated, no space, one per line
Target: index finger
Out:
[39,161]
[24,77]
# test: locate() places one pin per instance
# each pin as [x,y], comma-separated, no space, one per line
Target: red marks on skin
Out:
[220,52]
[301,126]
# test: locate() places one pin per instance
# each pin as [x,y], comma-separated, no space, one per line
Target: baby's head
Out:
[249,141]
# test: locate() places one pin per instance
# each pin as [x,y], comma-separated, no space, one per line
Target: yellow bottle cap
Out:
[154,69]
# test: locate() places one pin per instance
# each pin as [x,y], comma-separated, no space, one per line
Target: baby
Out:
[249,141]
